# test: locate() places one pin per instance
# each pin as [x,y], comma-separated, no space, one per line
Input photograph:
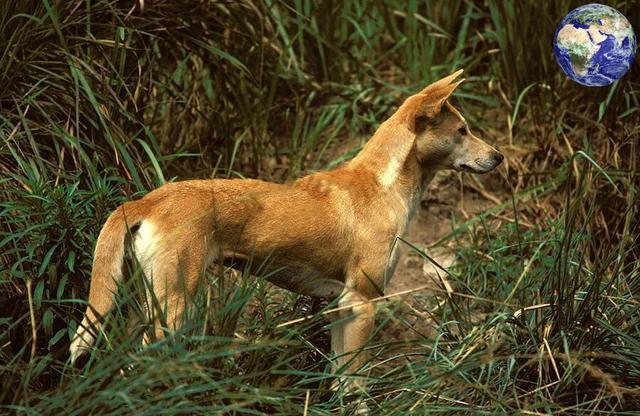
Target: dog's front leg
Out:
[351,329]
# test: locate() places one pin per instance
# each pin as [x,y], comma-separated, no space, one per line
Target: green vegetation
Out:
[102,101]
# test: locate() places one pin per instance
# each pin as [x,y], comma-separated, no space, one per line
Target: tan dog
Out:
[327,234]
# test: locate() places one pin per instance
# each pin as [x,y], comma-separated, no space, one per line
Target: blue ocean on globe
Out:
[595,45]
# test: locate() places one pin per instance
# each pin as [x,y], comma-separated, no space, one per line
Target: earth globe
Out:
[594,45]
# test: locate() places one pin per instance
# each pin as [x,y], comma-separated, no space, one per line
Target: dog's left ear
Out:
[425,106]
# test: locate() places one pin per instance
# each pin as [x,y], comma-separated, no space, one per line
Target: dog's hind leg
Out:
[174,285]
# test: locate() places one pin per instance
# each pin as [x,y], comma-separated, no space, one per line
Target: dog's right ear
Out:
[422,108]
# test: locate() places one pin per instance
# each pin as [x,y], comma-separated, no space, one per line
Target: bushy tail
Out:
[106,274]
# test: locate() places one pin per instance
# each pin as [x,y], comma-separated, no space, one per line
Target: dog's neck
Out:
[391,156]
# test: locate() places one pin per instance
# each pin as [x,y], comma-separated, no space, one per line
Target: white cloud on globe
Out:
[595,45]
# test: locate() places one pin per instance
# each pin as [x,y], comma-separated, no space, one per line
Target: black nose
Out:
[498,157]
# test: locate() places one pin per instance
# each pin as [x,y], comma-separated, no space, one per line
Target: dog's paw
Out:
[79,348]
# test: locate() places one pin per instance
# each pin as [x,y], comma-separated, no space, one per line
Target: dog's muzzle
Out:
[481,165]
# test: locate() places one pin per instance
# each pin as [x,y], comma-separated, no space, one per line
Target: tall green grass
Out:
[103,101]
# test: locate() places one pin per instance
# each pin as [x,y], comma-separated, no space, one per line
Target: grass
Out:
[103,101]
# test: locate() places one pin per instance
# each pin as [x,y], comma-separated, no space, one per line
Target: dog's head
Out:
[443,139]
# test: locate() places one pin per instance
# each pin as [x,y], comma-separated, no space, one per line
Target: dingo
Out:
[326,234]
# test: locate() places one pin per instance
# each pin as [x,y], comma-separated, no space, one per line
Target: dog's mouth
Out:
[478,165]
[463,167]
[472,168]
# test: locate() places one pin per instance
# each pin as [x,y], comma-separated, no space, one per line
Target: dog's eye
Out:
[462,131]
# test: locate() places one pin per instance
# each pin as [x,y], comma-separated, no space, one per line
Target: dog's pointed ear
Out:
[419,109]
[441,83]
[433,101]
